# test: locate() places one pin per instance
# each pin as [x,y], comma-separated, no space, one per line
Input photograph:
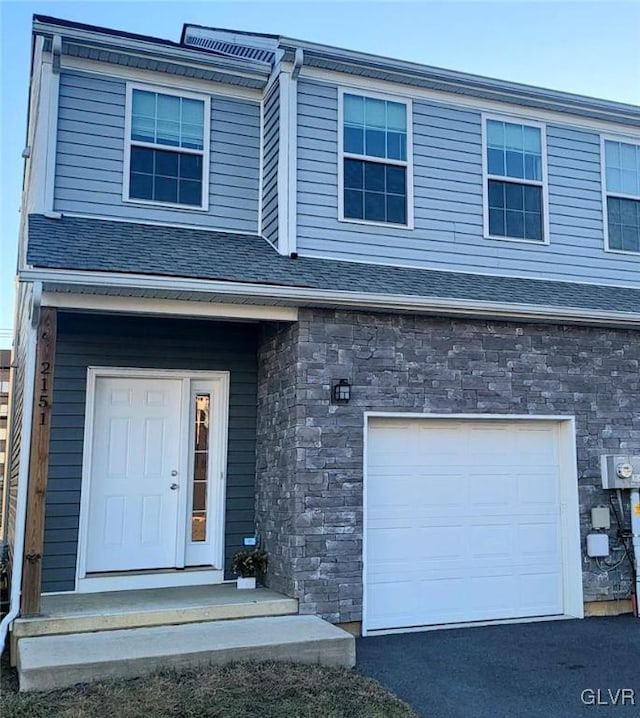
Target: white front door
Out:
[135,458]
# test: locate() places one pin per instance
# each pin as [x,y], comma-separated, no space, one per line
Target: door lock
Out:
[174,472]
[173,487]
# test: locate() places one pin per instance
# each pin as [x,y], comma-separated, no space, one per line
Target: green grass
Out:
[241,690]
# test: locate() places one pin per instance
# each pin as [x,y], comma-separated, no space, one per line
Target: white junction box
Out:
[600,517]
[597,545]
[620,471]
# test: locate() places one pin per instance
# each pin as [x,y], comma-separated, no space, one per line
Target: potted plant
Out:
[247,564]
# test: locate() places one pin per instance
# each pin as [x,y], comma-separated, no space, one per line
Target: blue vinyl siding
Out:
[84,341]
[90,157]
[448,216]
[271,144]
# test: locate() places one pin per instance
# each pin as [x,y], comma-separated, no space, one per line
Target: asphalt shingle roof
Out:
[107,246]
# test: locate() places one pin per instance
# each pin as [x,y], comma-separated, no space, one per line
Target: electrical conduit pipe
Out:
[17,558]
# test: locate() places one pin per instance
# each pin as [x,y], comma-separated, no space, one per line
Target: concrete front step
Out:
[57,661]
[77,613]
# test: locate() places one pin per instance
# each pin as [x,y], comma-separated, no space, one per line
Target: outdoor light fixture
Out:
[342,392]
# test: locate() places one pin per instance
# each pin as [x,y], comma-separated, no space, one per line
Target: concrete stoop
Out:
[58,661]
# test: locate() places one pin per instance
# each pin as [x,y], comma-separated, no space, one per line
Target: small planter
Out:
[243,583]
[247,564]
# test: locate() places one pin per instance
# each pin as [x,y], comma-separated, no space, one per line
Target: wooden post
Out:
[38,461]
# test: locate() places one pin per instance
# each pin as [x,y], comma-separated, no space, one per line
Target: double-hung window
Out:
[376,153]
[167,148]
[514,183]
[622,194]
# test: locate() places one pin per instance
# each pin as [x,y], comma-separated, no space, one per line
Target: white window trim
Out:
[205,152]
[399,163]
[544,183]
[603,184]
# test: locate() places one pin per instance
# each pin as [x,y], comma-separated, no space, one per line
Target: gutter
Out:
[407,72]
[179,55]
[306,296]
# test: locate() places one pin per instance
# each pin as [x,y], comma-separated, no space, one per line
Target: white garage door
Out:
[462,522]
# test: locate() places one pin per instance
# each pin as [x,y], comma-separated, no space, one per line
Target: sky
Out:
[590,48]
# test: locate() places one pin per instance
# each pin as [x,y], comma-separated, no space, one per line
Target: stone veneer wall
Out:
[276,466]
[309,482]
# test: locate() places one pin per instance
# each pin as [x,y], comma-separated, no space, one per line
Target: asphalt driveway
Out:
[550,669]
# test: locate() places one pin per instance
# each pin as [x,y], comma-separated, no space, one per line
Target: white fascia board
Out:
[173,307]
[301,296]
[462,82]
[508,106]
[179,55]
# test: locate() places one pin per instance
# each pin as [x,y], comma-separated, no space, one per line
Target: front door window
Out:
[200,468]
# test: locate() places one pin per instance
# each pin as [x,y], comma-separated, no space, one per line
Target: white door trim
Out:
[153,579]
[573,606]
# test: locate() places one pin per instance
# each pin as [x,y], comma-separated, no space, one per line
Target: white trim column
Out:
[287,164]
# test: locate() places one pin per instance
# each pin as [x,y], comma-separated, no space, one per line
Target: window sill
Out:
[625,252]
[165,205]
[372,223]
[537,242]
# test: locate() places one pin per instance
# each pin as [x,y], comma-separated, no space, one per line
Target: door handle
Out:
[173,487]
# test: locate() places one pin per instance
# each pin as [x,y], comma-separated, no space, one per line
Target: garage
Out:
[469,519]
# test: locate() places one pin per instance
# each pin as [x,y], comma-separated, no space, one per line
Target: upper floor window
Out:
[514,183]
[167,148]
[622,195]
[376,155]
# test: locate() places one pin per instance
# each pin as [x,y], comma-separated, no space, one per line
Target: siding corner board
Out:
[39,462]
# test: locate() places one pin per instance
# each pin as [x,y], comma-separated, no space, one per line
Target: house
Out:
[381,317]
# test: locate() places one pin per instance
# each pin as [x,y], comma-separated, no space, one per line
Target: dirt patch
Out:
[241,690]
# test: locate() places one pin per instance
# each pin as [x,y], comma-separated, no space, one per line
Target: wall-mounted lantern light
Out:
[341,392]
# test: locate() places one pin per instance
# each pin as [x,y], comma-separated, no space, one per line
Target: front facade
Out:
[221,235]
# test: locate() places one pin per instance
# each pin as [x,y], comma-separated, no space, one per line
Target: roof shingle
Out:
[84,244]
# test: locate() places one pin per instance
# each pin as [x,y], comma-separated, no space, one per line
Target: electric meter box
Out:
[620,471]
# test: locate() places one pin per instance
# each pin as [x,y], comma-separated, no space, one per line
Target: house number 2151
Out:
[43,402]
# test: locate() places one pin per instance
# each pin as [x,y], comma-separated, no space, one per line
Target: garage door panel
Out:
[490,541]
[546,586]
[538,488]
[400,603]
[409,489]
[539,540]
[482,443]
[403,437]
[463,522]
[491,487]
[537,443]
[491,593]
[437,542]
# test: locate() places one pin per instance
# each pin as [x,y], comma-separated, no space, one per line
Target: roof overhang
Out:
[252,70]
[150,54]
[137,285]
[375,67]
